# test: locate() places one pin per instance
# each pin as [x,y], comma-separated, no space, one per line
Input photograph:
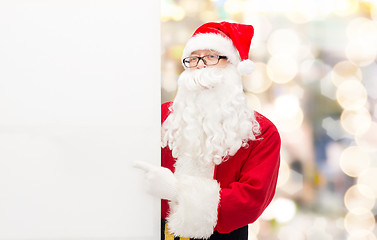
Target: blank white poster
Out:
[79,102]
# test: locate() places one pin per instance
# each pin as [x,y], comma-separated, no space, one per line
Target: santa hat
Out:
[229,39]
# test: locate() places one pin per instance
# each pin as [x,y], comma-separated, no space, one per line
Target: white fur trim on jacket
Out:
[212,41]
[194,212]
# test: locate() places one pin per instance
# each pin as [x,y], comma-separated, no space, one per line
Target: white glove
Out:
[161,182]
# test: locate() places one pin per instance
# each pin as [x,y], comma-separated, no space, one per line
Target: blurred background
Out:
[316,79]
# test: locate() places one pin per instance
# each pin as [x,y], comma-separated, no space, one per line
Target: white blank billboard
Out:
[79,102]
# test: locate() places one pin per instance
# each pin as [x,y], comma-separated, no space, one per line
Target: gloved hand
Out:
[161,182]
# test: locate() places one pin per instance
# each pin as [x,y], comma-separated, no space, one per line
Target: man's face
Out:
[200,53]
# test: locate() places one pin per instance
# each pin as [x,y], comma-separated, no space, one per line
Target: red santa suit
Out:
[240,190]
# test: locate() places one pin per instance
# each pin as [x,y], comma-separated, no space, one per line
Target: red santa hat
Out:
[229,39]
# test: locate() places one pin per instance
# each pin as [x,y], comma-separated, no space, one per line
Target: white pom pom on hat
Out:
[229,39]
[246,67]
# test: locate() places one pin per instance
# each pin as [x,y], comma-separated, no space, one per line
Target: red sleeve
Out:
[166,157]
[245,200]
[165,111]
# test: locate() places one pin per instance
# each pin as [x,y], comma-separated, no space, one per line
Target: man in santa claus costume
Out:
[220,159]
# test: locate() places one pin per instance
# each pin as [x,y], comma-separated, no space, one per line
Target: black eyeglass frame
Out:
[204,61]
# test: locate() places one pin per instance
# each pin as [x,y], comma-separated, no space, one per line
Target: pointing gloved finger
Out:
[143,166]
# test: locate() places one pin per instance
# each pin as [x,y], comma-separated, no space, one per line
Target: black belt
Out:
[238,234]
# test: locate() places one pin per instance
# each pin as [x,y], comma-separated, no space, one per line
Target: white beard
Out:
[210,119]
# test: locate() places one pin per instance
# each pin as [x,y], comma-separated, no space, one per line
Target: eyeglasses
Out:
[208,60]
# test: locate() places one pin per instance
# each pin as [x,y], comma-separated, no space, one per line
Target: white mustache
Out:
[204,78]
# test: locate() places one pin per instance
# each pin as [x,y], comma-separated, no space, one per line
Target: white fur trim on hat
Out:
[246,67]
[212,41]
[194,213]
